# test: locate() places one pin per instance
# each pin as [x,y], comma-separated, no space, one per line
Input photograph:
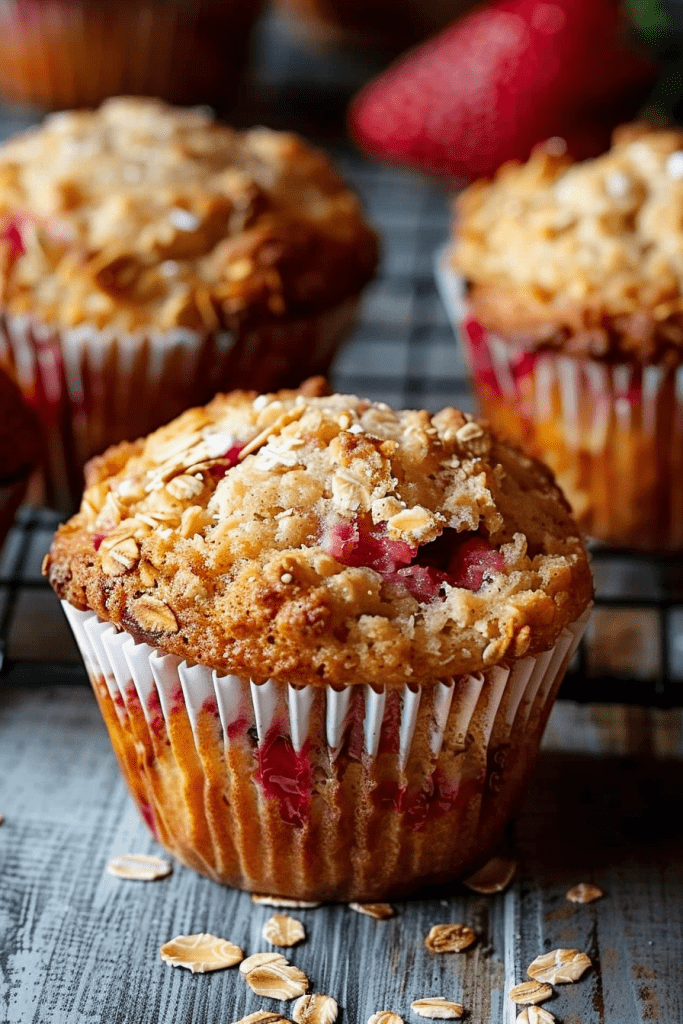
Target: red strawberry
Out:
[504,78]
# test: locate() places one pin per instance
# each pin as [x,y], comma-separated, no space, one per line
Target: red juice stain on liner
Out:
[132,699]
[210,706]
[420,805]
[147,813]
[285,775]
[10,232]
[239,727]
[522,364]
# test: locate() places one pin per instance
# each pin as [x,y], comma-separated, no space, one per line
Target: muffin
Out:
[68,53]
[570,308]
[20,445]
[325,636]
[151,256]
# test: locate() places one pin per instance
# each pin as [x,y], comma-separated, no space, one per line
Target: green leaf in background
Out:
[652,20]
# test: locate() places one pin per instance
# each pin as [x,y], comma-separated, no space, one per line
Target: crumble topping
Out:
[419,548]
[587,256]
[142,215]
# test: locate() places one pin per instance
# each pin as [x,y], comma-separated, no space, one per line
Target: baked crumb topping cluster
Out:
[586,256]
[317,538]
[139,214]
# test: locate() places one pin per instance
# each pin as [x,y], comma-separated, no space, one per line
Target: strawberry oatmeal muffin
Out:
[570,308]
[151,255]
[325,636]
[65,53]
[20,444]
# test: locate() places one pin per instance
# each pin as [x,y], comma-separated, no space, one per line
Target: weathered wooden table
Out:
[78,946]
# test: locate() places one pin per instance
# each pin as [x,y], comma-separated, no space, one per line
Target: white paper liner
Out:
[626,416]
[119,659]
[482,715]
[92,387]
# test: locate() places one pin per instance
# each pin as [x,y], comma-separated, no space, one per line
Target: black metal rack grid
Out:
[403,352]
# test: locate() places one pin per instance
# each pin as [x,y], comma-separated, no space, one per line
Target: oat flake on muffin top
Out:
[139,214]
[325,539]
[584,256]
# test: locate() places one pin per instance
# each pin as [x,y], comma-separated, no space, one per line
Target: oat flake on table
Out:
[559,966]
[385,1017]
[140,867]
[535,1015]
[272,975]
[201,953]
[380,911]
[263,900]
[315,1009]
[495,876]
[263,1017]
[584,892]
[437,1007]
[530,992]
[282,930]
[450,938]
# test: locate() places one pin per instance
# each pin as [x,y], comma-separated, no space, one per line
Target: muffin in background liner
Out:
[318,793]
[611,432]
[91,388]
[151,255]
[66,53]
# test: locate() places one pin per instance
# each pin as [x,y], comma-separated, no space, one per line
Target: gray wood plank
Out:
[79,946]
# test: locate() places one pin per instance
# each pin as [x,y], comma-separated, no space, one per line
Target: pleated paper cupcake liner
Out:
[611,433]
[93,388]
[74,53]
[317,793]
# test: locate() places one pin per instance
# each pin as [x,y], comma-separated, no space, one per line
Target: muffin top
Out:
[142,214]
[19,433]
[326,540]
[587,257]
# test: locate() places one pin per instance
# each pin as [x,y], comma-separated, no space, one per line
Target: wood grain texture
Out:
[78,946]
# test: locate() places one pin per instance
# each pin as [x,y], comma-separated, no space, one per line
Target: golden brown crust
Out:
[142,215]
[585,257]
[231,560]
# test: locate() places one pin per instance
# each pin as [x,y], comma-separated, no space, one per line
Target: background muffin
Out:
[345,624]
[572,316]
[69,53]
[151,255]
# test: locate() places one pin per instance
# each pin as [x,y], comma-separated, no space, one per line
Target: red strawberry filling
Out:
[226,461]
[355,543]
[286,775]
[456,559]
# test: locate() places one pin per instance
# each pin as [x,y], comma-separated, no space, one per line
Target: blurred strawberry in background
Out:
[502,79]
